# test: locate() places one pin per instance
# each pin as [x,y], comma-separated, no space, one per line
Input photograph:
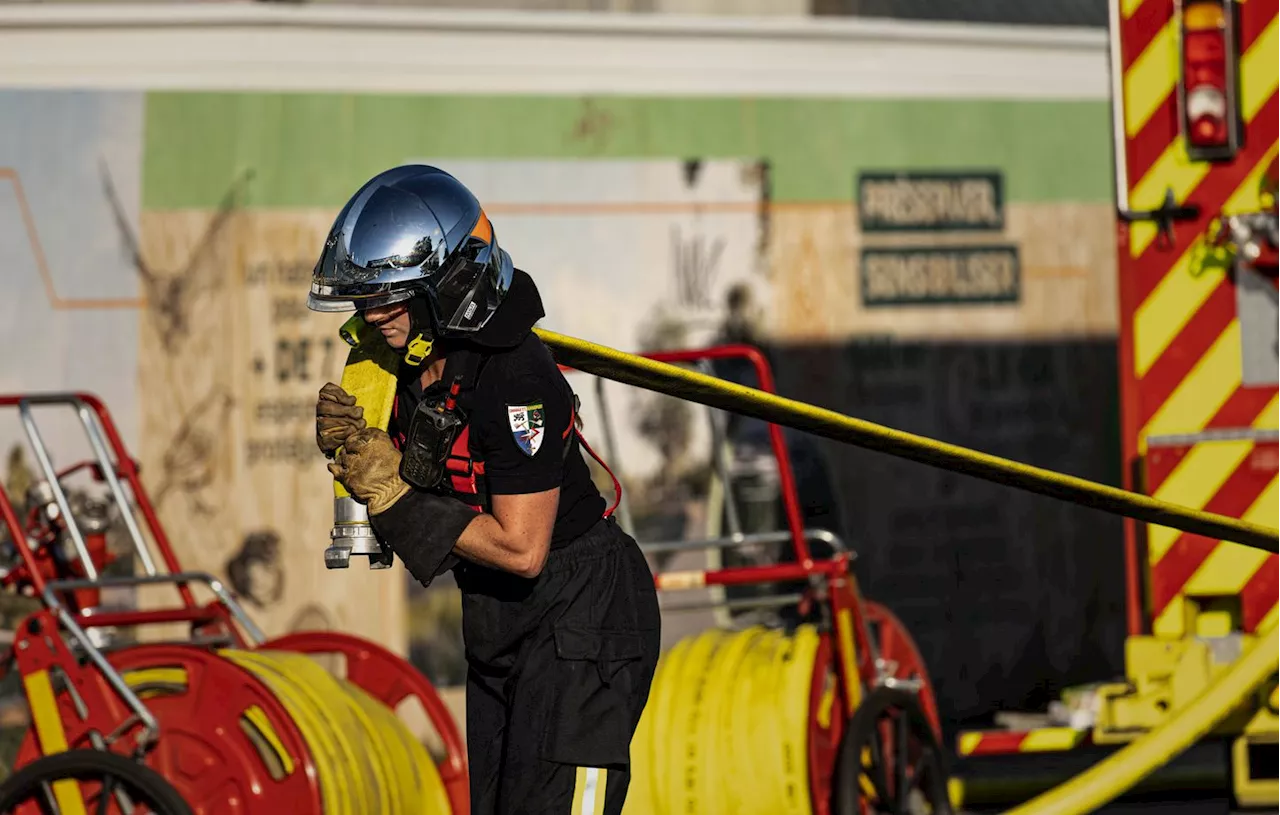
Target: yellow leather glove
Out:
[369,467]
[337,417]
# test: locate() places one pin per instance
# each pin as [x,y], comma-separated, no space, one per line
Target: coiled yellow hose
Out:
[366,759]
[726,727]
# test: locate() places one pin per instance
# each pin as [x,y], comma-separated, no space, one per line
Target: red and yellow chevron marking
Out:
[1192,573]
[1156,157]
[1005,742]
[1181,341]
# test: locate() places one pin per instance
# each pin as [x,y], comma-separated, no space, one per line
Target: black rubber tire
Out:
[846,791]
[144,785]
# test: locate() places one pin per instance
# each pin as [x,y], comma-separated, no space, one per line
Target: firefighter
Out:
[482,472]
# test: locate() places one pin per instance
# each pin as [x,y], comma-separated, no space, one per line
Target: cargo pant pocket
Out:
[594,680]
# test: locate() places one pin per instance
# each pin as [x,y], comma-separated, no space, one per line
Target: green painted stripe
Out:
[313,150]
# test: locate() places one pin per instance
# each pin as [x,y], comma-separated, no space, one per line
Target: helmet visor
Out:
[337,298]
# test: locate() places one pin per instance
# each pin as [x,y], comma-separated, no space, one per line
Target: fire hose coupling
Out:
[353,535]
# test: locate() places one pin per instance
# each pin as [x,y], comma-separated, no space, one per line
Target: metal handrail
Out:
[92,424]
[41,453]
[1253,434]
[767,601]
[753,539]
[120,473]
[150,725]
[92,427]
[219,589]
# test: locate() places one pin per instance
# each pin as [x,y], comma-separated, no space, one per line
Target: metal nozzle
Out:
[352,535]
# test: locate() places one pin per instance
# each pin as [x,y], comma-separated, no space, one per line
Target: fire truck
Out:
[1195,126]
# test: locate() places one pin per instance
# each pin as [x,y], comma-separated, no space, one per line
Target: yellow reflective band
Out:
[588,791]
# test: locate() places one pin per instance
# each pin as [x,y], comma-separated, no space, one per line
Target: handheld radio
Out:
[432,432]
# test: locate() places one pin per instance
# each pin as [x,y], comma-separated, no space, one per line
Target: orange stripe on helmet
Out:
[483,229]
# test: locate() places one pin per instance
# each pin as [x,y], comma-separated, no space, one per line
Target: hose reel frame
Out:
[212,728]
[864,643]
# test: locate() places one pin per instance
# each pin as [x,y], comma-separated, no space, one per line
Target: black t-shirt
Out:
[518,414]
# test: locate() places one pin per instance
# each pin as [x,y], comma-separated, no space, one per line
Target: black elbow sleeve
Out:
[422,528]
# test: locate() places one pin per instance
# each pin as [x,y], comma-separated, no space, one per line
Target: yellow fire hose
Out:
[369,376]
[1120,771]
[366,759]
[708,390]
[1084,793]
[726,727]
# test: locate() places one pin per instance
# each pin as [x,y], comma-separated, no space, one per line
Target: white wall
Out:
[232,46]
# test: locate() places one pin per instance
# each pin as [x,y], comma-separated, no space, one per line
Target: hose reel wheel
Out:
[899,664]
[266,732]
[890,760]
[78,782]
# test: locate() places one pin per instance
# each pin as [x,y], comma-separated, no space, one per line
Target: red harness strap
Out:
[466,473]
[573,428]
[617,486]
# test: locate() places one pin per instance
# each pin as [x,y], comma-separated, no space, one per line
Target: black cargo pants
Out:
[559,669]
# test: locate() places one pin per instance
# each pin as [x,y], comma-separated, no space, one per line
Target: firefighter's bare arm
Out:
[516,537]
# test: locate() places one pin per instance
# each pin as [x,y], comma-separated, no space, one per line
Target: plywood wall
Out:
[230,363]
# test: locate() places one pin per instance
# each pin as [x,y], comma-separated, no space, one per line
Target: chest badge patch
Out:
[527,425]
